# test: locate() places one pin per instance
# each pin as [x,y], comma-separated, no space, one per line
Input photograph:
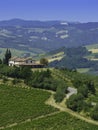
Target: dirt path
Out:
[62,107]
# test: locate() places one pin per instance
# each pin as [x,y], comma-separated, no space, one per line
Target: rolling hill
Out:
[84,59]
[46,35]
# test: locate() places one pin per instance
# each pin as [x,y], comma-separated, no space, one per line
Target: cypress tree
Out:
[7,57]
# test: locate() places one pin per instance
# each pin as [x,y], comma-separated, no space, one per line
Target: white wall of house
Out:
[12,63]
[17,63]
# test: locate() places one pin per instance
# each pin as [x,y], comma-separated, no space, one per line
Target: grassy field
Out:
[15,52]
[58,57]
[61,121]
[83,70]
[19,104]
[93,48]
[52,57]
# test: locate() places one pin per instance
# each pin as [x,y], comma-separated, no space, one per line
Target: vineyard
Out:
[60,121]
[19,104]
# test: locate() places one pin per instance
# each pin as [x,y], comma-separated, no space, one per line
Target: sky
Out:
[43,10]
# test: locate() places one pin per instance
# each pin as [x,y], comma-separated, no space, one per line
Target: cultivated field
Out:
[60,121]
[94,50]
[20,104]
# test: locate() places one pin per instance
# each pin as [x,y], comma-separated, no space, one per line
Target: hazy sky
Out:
[68,10]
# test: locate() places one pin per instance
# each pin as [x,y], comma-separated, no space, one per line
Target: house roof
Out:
[18,59]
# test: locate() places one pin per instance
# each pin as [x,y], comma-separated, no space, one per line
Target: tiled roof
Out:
[20,59]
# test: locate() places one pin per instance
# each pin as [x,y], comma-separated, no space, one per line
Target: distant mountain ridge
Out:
[20,22]
[46,35]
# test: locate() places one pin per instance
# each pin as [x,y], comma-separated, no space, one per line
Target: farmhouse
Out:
[16,61]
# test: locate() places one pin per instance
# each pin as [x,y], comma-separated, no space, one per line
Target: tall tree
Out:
[7,57]
[0,61]
[91,87]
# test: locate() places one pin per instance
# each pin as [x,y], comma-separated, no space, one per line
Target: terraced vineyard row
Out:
[59,74]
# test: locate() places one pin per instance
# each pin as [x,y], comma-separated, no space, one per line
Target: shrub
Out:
[75,102]
[15,81]
[60,91]
[94,113]
[83,90]
[5,79]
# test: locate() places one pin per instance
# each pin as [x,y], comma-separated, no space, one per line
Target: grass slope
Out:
[83,70]
[16,52]
[93,46]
